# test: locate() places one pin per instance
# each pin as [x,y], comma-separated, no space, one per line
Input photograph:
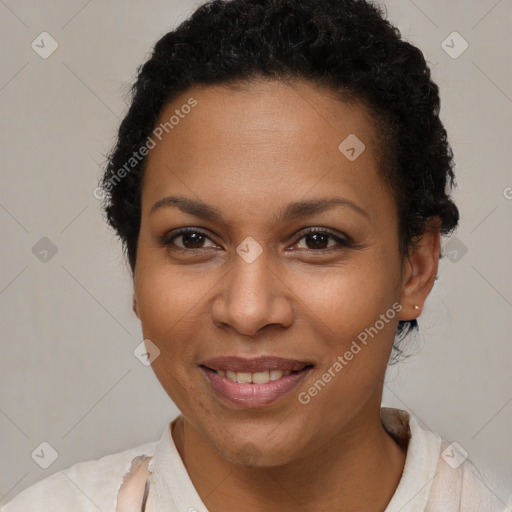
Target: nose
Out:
[252,295]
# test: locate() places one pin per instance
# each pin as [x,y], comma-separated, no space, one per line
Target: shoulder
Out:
[438,475]
[86,486]
[460,484]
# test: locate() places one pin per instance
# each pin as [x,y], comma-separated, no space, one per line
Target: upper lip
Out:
[258,364]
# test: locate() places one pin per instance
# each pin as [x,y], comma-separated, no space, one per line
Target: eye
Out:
[315,240]
[318,240]
[191,238]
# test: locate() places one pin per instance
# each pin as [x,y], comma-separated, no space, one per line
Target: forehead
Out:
[261,108]
[262,139]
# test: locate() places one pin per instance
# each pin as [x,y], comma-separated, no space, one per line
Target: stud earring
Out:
[416,307]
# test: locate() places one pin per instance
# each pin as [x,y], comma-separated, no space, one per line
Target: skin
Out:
[248,152]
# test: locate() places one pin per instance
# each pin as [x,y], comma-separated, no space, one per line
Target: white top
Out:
[437,477]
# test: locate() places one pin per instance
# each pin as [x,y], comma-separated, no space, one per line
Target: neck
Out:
[359,469]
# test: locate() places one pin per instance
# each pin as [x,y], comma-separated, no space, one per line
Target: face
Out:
[289,260]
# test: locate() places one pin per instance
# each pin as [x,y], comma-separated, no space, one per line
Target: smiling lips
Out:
[254,382]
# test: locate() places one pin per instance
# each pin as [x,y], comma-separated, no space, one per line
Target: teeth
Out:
[256,378]
[243,378]
[275,374]
[261,377]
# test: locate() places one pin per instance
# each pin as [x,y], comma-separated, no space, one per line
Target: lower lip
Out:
[254,395]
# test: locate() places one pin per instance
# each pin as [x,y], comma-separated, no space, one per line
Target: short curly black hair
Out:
[345,46]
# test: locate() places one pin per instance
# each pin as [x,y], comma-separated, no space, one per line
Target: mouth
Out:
[254,382]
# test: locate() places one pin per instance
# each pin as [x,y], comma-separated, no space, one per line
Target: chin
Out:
[254,445]
[262,455]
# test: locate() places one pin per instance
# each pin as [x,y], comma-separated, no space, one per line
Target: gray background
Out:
[68,373]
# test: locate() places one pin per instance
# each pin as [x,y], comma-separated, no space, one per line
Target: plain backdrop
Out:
[69,376]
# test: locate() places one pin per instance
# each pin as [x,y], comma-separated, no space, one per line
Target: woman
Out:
[280,184]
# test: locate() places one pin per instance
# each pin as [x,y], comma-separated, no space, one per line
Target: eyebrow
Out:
[290,212]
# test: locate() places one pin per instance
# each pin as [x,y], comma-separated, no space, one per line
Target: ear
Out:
[135,306]
[420,271]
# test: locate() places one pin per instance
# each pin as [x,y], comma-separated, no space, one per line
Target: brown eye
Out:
[190,239]
[193,240]
[319,240]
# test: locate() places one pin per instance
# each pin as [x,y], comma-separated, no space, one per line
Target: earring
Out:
[416,307]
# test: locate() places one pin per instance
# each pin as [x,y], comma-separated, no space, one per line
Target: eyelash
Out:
[167,240]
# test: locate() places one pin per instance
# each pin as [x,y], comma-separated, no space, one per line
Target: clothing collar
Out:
[173,490]
[421,462]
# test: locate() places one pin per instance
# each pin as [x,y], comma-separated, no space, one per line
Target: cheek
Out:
[351,298]
[167,297]
[360,308]
[168,308]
